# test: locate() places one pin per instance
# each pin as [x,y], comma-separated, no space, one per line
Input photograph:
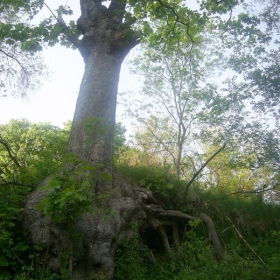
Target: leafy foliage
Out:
[71,192]
[165,186]
[132,252]
[37,151]
[28,153]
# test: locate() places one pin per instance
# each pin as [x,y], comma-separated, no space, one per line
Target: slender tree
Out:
[175,79]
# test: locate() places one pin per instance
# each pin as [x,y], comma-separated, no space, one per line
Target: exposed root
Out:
[213,236]
[103,230]
[158,217]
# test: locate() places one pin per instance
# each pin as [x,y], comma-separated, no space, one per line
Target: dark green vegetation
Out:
[196,194]
[247,223]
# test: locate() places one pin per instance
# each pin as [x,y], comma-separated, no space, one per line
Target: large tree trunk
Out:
[105,43]
[98,233]
[94,120]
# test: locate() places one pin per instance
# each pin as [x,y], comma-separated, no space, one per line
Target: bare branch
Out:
[14,58]
[248,245]
[213,236]
[203,166]
[97,3]
[160,213]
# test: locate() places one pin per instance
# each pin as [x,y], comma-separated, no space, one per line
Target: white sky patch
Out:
[55,100]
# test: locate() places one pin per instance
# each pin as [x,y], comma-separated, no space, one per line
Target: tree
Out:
[253,54]
[28,154]
[20,64]
[104,36]
[107,37]
[25,147]
[175,79]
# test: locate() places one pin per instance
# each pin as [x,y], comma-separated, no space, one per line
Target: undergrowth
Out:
[248,227]
[196,262]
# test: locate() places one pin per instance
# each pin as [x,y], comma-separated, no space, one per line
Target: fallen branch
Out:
[242,238]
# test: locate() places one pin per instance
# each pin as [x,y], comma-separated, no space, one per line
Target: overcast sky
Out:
[55,100]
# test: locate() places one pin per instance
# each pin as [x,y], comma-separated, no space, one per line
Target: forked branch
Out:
[10,152]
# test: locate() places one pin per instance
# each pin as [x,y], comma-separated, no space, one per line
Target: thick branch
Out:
[97,3]
[118,8]
[71,37]
[176,237]
[174,215]
[203,166]
[174,233]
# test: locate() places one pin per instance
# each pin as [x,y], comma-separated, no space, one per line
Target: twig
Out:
[51,12]
[14,58]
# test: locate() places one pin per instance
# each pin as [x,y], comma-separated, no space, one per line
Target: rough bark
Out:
[99,233]
[106,41]
[93,124]
[102,231]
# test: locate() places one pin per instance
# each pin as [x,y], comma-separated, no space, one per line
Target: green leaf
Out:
[3,262]
[106,176]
